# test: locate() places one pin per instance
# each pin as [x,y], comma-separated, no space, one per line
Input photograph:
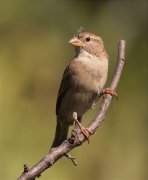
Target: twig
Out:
[56,153]
[71,158]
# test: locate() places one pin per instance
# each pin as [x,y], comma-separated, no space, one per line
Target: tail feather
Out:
[60,135]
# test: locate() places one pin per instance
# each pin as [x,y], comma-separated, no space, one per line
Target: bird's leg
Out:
[105,91]
[84,130]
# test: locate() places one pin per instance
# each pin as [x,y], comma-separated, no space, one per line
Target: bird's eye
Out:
[88,39]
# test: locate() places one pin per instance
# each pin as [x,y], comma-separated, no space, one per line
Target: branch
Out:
[63,150]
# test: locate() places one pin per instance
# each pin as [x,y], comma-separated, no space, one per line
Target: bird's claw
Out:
[109,91]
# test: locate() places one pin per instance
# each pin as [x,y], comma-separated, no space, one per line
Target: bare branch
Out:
[56,153]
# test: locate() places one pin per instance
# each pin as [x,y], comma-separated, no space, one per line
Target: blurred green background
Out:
[34,52]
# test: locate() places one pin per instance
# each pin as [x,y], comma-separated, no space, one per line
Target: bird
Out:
[82,84]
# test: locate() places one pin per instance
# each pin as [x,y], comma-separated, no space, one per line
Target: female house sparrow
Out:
[82,83]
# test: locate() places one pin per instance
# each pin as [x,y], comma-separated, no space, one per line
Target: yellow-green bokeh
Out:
[34,52]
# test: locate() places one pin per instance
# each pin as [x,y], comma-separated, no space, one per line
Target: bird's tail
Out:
[60,135]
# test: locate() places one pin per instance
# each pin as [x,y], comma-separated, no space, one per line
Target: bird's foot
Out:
[86,132]
[109,91]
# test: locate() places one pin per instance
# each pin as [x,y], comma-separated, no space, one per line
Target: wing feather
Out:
[65,85]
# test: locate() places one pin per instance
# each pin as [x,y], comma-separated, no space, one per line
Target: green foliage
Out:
[34,51]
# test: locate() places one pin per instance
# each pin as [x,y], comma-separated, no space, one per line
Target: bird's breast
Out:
[89,74]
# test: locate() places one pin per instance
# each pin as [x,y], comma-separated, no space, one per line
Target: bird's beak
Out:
[76,42]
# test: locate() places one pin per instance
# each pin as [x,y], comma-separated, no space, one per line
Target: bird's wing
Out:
[65,85]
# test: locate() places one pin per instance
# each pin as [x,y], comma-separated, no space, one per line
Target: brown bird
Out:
[82,83]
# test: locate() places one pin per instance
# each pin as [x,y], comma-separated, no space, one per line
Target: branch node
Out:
[71,140]
[49,164]
[75,137]
[39,175]
[26,169]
